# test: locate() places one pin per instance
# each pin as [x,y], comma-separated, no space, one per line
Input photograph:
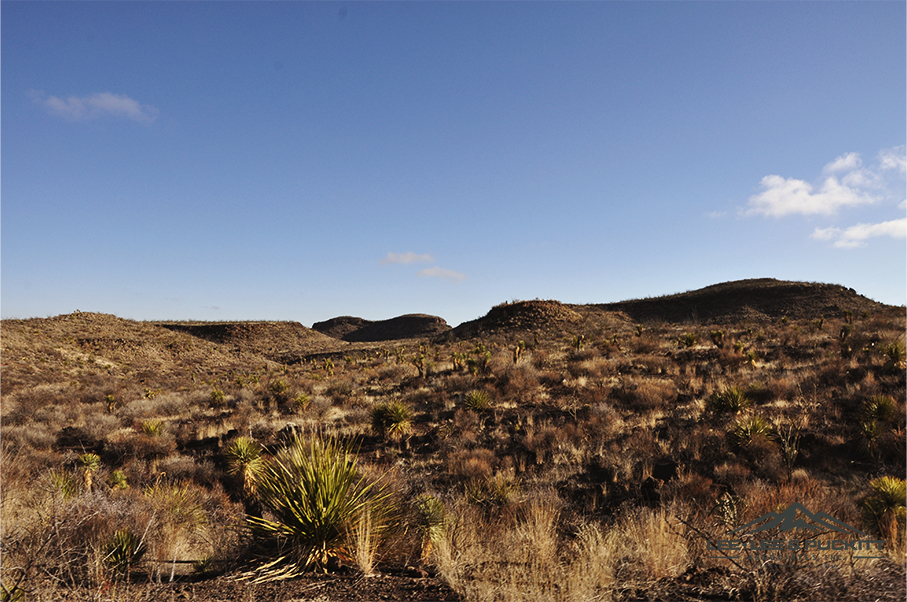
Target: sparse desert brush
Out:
[646,394]
[476,463]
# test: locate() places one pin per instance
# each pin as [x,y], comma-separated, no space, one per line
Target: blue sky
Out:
[300,161]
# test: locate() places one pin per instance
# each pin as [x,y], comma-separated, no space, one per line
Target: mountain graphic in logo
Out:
[790,521]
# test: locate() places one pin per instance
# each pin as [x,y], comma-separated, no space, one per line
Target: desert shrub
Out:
[315,495]
[34,435]
[647,394]
[165,404]
[392,419]
[471,463]
[518,383]
[687,339]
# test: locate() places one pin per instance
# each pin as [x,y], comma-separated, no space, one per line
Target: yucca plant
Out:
[89,463]
[717,337]
[152,427]
[730,400]
[124,551]
[750,427]
[64,483]
[884,510]
[430,523]
[895,356]
[392,419]
[477,400]
[245,460]
[315,494]
[687,339]
[879,408]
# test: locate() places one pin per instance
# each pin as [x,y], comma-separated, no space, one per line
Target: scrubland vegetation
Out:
[577,455]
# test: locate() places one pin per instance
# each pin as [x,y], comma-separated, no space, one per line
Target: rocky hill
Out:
[754,299]
[410,326]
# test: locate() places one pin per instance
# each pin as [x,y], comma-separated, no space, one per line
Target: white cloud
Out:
[855,236]
[894,158]
[436,272]
[787,196]
[406,258]
[83,108]
[847,162]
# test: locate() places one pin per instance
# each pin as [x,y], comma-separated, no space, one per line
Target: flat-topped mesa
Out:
[359,330]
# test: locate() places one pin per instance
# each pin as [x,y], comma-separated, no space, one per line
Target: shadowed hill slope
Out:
[277,341]
[359,330]
[755,299]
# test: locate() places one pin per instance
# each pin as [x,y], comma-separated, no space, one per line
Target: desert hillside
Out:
[755,299]
[597,447]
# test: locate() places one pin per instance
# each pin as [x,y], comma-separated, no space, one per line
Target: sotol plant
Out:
[314,493]
[884,510]
[392,420]
[245,460]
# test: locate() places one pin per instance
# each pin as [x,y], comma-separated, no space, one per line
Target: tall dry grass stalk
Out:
[526,558]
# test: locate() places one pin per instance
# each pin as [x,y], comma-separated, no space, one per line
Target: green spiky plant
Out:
[245,460]
[392,420]
[748,428]
[124,551]
[430,523]
[477,400]
[717,337]
[895,357]
[64,483]
[687,339]
[884,510]
[315,494]
[731,400]
[89,463]
[879,408]
[152,427]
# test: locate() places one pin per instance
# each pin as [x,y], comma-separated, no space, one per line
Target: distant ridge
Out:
[278,341]
[359,330]
[754,299]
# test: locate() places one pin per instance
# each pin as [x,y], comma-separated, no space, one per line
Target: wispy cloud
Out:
[84,108]
[846,162]
[894,158]
[436,272]
[406,258]
[855,236]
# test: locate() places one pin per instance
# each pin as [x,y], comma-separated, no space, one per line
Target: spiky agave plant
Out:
[315,494]
[245,460]
[886,508]
[392,419]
